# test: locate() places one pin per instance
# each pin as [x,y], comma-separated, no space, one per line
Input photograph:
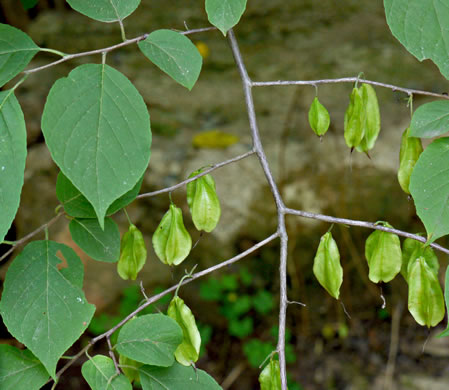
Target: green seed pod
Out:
[130,368]
[326,265]
[372,118]
[270,377]
[411,250]
[319,119]
[355,120]
[188,351]
[171,241]
[425,297]
[411,149]
[133,254]
[203,202]
[383,252]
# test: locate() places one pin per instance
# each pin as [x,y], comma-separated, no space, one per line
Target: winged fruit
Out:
[372,118]
[319,119]
[203,202]
[326,265]
[354,127]
[133,254]
[188,351]
[425,297]
[411,149]
[171,241]
[270,377]
[384,256]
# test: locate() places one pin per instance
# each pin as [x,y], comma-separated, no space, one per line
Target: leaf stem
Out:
[57,52]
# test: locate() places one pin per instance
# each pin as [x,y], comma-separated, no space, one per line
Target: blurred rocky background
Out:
[237,308]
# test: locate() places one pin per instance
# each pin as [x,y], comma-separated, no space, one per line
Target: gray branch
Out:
[314,83]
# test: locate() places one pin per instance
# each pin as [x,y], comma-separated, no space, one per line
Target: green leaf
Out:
[425,298]
[203,202]
[445,333]
[44,307]
[16,51]
[101,245]
[20,370]
[430,120]
[429,186]
[422,26]
[384,256]
[28,4]
[150,339]
[105,10]
[12,158]
[319,118]
[270,377]
[97,128]
[411,250]
[411,149]
[225,14]
[133,254]
[188,351]
[171,241]
[100,374]
[326,265]
[174,54]
[176,377]
[76,205]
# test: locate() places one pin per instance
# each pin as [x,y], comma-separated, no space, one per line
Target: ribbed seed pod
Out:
[411,149]
[411,250]
[326,265]
[270,377]
[133,254]
[203,202]
[425,297]
[188,351]
[319,118]
[171,241]
[372,118]
[354,120]
[384,256]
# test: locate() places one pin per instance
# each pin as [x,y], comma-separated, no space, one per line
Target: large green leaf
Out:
[174,54]
[100,373]
[225,14]
[20,370]
[422,26]
[150,339]
[12,158]
[16,51]
[76,205]
[101,245]
[429,186]
[176,377]
[430,120]
[97,128]
[43,305]
[105,10]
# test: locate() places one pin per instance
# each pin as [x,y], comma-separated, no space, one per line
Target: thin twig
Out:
[394,88]
[246,81]
[108,49]
[30,235]
[369,225]
[112,355]
[205,172]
